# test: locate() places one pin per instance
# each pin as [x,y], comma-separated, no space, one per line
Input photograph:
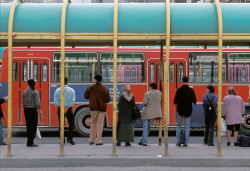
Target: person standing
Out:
[98,96]
[151,110]
[184,98]
[210,101]
[2,100]
[69,100]
[233,108]
[31,102]
[125,127]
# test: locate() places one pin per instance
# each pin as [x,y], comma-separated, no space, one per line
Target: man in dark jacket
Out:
[184,98]
[2,100]
[98,96]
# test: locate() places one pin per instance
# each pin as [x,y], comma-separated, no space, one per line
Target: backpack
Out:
[182,137]
[209,109]
[244,141]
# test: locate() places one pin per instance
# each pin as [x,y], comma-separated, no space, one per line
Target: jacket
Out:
[152,105]
[210,97]
[233,108]
[184,98]
[1,111]
[125,107]
[98,96]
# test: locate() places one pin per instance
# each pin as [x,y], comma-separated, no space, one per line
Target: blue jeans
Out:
[146,128]
[187,127]
[1,131]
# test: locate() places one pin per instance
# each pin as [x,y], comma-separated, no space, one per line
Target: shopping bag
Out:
[38,134]
[223,127]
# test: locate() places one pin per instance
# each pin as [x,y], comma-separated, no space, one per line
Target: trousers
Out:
[31,117]
[70,117]
[97,118]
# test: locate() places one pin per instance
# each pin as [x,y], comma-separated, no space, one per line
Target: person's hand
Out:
[66,109]
[5,98]
[40,112]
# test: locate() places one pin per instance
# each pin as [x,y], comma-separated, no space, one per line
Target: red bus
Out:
[136,66]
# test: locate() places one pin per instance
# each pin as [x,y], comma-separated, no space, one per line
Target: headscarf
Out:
[127,94]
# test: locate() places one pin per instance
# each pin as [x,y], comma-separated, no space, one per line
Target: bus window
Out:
[203,67]
[80,67]
[45,72]
[239,65]
[25,71]
[171,73]
[152,72]
[15,71]
[130,67]
[180,72]
[134,75]
[35,71]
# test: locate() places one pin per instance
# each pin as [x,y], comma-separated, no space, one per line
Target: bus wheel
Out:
[83,121]
[245,128]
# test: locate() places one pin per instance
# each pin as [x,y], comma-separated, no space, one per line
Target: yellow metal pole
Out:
[63,18]
[10,33]
[166,82]
[161,80]
[115,74]
[220,40]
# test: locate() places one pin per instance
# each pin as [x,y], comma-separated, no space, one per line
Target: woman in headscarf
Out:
[125,127]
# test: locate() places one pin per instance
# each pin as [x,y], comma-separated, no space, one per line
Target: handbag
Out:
[136,113]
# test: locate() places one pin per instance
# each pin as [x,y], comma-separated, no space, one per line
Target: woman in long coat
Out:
[233,109]
[125,127]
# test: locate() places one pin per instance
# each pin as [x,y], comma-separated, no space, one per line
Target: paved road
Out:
[49,136]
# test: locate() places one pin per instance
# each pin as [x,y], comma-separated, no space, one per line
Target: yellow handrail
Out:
[115,74]
[166,82]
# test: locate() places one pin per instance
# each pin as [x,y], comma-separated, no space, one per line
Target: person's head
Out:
[126,88]
[231,91]
[98,78]
[65,80]
[31,84]
[185,79]
[153,86]
[210,88]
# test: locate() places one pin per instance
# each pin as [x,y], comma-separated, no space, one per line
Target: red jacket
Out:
[98,96]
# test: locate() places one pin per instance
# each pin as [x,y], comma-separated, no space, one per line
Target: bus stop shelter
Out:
[70,24]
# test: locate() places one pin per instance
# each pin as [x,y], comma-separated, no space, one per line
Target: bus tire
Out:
[245,128]
[83,121]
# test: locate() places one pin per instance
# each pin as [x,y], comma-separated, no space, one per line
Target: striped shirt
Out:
[31,99]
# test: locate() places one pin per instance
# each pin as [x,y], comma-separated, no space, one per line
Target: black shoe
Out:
[127,144]
[99,144]
[91,143]
[185,145]
[237,143]
[118,144]
[71,142]
[178,145]
[228,143]
[3,143]
[205,142]
[32,145]
[210,144]
[144,144]
[140,143]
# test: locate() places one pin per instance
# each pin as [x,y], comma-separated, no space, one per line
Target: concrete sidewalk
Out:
[195,155]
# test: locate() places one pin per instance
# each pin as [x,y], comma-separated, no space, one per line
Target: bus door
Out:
[176,73]
[239,73]
[23,70]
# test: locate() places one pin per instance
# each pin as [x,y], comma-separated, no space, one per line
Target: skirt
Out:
[125,132]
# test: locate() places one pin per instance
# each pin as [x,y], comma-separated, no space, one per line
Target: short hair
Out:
[65,80]
[185,79]
[231,91]
[210,88]
[98,78]
[153,85]
[32,84]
